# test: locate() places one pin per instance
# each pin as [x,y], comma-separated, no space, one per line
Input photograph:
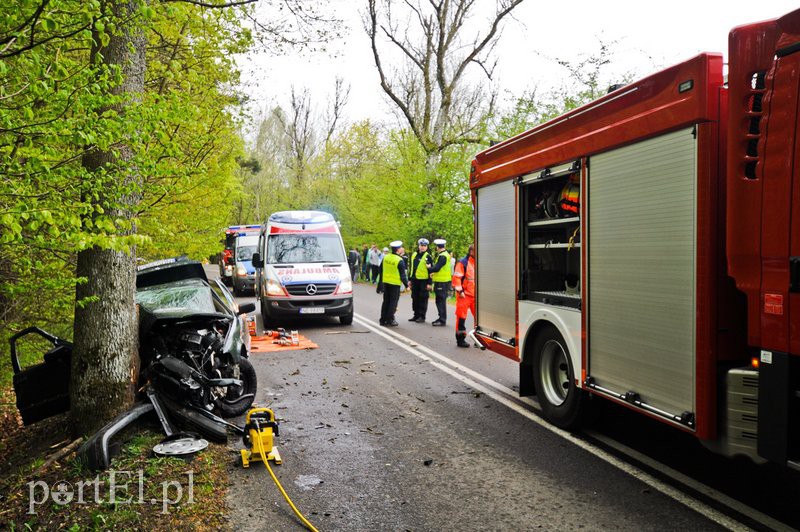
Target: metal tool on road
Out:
[258,437]
[282,337]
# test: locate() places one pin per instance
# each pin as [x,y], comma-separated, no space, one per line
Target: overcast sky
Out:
[651,35]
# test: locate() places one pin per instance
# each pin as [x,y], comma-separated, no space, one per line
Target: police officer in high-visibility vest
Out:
[441,276]
[420,280]
[392,279]
[464,284]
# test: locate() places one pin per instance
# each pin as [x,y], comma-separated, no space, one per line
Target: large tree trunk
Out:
[105,356]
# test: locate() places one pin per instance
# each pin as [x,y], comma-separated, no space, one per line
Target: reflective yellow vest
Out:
[422,268]
[390,274]
[444,275]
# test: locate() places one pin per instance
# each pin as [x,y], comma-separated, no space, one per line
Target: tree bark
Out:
[105,356]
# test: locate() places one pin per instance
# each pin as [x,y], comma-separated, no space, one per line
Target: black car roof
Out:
[168,271]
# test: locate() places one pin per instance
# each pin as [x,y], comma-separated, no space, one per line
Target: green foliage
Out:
[375,182]
[191,140]
[59,102]
[382,185]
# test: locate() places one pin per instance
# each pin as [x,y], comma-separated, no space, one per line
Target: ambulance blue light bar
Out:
[301,217]
[242,229]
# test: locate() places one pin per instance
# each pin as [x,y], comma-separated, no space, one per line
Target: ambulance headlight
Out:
[274,287]
[346,286]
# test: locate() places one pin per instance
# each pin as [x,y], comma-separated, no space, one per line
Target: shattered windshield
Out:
[245,253]
[191,296]
[290,248]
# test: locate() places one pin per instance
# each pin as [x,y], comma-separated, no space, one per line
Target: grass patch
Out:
[149,493]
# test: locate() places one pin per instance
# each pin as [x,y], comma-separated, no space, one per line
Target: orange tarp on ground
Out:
[264,344]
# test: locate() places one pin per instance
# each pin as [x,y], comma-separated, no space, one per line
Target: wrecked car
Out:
[193,349]
[185,316]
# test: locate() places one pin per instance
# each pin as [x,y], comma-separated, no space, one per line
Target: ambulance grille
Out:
[304,289]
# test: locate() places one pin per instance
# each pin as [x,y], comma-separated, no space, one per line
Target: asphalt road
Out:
[377,435]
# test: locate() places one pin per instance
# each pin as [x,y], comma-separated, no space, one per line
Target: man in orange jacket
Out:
[464,284]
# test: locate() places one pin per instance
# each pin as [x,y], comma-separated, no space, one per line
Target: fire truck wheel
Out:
[562,402]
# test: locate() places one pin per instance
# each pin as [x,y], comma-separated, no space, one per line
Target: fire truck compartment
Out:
[641,224]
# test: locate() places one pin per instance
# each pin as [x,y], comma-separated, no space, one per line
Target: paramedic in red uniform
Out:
[464,284]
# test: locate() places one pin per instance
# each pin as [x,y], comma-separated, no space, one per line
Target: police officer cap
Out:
[422,241]
[396,244]
[440,242]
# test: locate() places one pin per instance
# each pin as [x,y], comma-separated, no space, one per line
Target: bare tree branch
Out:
[340,96]
[429,89]
[387,88]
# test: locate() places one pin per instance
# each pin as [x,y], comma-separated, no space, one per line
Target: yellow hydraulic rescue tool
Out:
[258,433]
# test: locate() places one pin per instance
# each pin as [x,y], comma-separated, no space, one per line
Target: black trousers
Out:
[374,270]
[419,297]
[440,291]
[391,295]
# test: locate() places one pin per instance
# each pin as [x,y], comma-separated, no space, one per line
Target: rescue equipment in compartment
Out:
[546,204]
[251,325]
[258,437]
[569,202]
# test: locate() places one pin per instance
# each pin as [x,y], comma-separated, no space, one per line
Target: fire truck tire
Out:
[563,404]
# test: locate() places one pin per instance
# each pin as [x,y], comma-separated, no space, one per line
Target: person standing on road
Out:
[441,277]
[392,277]
[420,280]
[374,263]
[365,262]
[352,261]
[464,285]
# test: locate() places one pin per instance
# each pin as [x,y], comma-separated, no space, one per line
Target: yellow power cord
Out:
[283,492]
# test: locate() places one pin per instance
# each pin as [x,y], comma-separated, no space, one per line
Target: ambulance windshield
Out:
[290,248]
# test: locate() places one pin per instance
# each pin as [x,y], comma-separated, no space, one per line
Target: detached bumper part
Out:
[96,453]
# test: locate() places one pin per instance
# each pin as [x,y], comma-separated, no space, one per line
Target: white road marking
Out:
[491,389]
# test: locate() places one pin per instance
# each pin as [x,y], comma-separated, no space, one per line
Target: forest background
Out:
[187,133]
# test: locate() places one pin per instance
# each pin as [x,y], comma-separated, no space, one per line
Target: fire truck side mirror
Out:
[256,260]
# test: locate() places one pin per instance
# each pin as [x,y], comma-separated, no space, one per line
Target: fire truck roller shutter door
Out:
[642,270]
[495,256]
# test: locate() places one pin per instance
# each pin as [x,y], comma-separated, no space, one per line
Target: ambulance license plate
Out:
[312,310]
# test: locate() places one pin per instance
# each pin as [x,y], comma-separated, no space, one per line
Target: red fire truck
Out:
[226,260]
[645,248]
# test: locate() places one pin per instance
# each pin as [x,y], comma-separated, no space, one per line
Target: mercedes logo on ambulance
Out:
[311,289]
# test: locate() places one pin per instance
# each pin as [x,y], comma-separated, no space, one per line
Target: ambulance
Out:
[301,268]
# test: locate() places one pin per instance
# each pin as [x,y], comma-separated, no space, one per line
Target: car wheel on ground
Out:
[247,374]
